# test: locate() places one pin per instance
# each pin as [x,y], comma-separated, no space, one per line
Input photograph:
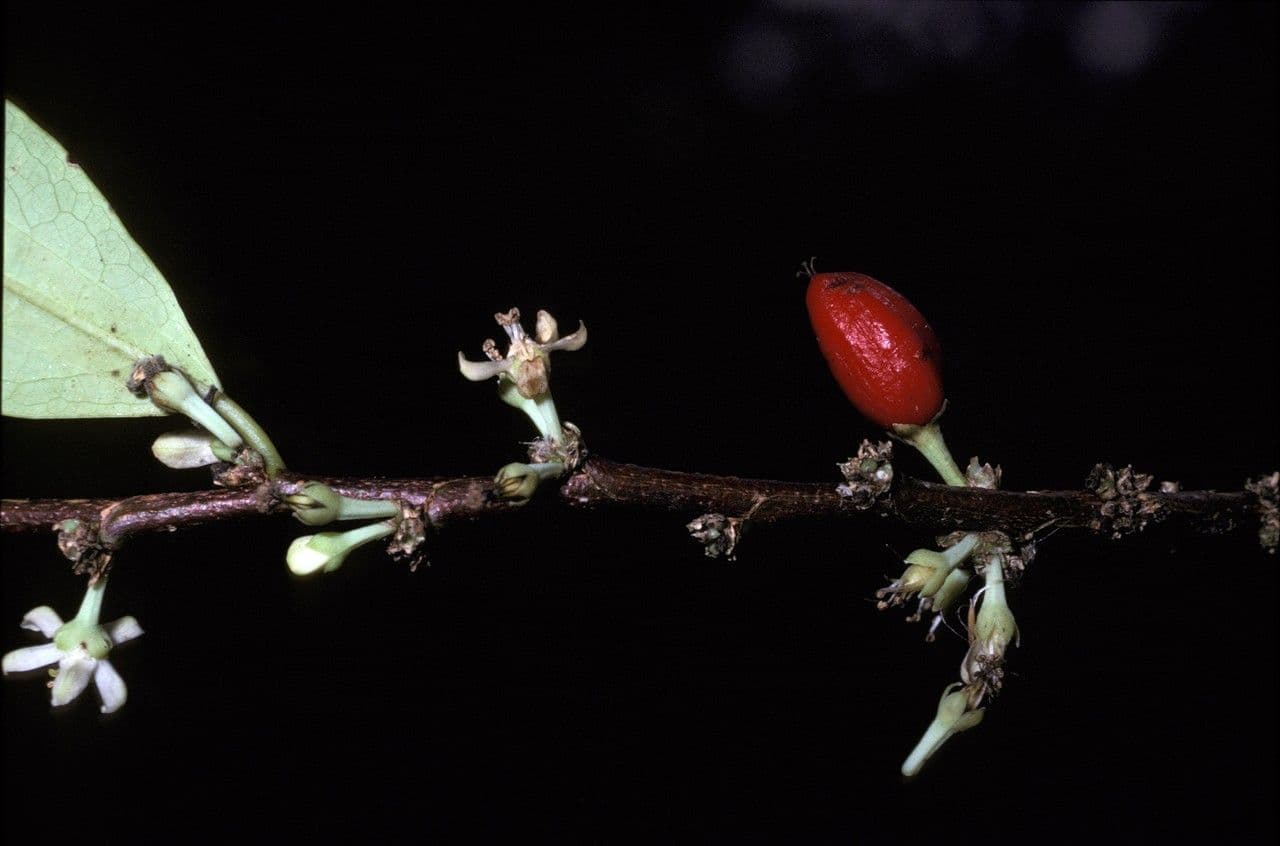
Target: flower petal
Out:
[110,687]
[124,629]
[43,619]
[74,673]
[570,342]
[546,330]
[21,660]
[478,371]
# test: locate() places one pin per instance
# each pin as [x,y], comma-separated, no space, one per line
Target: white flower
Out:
[524,373]
[79,648]
[527,361]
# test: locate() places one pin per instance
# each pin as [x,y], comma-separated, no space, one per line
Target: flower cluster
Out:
[992,629]
[937,577]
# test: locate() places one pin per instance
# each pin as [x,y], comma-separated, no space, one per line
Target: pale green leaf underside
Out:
[82,302]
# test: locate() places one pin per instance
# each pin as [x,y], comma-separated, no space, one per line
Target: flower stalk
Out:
[171,391]
[928,440]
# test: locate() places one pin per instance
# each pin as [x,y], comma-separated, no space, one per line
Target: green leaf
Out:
[82,302]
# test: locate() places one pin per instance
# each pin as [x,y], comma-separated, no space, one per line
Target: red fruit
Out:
[881,350]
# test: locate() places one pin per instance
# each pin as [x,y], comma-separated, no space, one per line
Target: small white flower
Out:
[527,361]
[79,648]
[524,373]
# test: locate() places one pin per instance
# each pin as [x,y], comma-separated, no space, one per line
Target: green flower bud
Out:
[190,448]
[990,632]
[315,504]
[328,550]
[926,573]
[517,482]
[954,715]
[318,505]
[935,566]
[953,588]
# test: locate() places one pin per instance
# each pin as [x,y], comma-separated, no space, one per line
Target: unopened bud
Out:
[318,504]
[190,448]
[328,550]
[934,566]
[515,482]
[926,573]
[314,505]
[953,588]
[990,632]
[954,715]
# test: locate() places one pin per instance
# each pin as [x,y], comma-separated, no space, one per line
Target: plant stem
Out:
[91,605]
[928,439]
[254,435]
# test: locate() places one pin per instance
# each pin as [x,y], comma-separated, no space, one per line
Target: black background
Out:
[1085,213]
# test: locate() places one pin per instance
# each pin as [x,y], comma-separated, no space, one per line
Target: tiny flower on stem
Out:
[524,373]
[952,589]
[318,504]
[991,631]
[927,574]
[171,391]
[328,550]
[517,482]
[955,714]
[79,647]
[190,448]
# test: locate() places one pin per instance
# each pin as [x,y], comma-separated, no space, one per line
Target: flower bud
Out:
[318,505]
[315,504]
[953,588]
[190,448]
[515,482]
[926,573]
[954,715]
[990,632]
[936,567]
[915,577]
[328,550]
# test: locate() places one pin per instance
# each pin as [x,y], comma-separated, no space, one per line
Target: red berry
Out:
[881,350]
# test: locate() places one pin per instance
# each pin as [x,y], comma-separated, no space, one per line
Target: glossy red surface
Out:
[881,350]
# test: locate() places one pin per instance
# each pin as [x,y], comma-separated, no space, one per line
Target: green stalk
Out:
[928,439]
[254,435]
[91,605]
